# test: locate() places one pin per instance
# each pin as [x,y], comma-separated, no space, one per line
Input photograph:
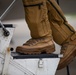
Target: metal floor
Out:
[21,34]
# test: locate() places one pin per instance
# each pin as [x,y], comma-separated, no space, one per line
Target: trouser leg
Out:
[61,29]
[63,33]
[36,18]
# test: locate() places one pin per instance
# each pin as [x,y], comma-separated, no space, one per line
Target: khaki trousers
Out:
[45,18]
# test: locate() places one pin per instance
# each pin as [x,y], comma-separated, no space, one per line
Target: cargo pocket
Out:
[36,17]
[33,10]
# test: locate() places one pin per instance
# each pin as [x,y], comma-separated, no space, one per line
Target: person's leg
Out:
[63,33]
[58,22]
[37,20]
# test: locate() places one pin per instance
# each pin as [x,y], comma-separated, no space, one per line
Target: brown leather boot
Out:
[37,46]
[68,50]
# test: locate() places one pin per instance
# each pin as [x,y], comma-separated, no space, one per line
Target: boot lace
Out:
[32,42]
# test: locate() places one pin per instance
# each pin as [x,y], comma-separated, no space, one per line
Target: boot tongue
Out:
[31,42]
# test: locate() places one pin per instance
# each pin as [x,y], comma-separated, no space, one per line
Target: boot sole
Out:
[71,55]
[44,50]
